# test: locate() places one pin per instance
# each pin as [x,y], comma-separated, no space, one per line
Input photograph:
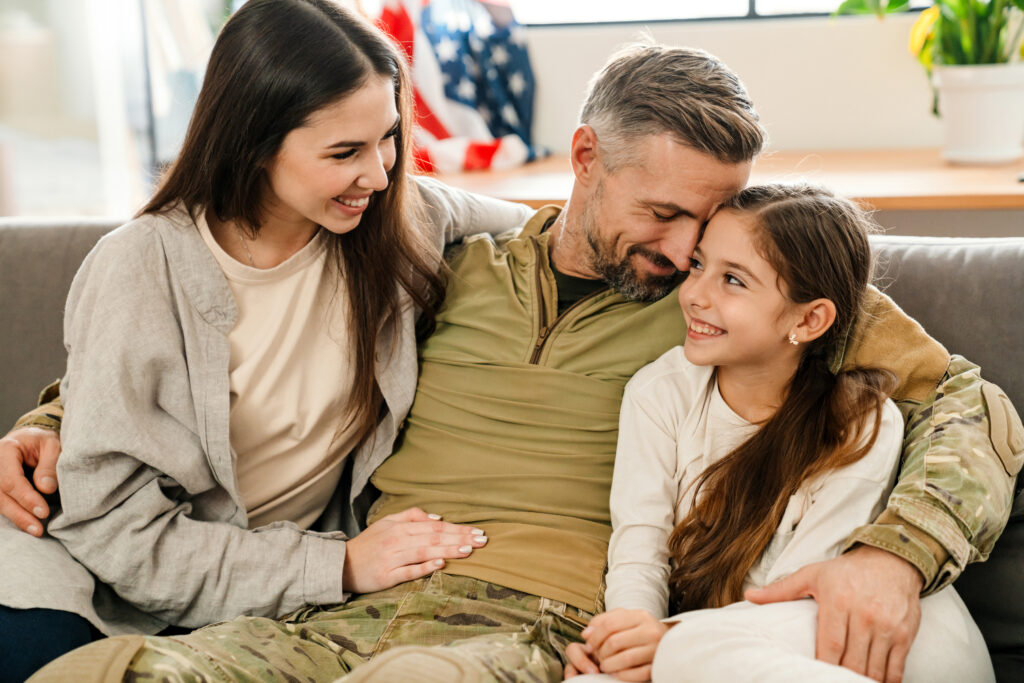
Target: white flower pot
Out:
[982,109]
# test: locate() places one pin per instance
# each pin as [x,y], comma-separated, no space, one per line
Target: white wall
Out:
[818,83]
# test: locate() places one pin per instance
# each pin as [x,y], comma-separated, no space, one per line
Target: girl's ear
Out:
[818,316]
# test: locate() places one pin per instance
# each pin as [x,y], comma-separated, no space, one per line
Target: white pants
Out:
[776,642]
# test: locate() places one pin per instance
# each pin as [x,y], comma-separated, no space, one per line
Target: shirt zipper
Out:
[544,329]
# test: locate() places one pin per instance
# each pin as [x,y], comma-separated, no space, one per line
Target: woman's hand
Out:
[19,502]
[403,547]
[623,643]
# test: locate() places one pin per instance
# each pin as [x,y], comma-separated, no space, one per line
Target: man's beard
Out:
[622,275]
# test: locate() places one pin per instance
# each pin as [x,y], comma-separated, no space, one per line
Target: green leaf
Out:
[854,7]
[900,6]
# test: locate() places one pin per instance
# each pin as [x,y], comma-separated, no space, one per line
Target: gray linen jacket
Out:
[152,530]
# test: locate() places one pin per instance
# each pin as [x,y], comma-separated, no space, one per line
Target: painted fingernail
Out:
[438,563]
[465,549]
[479,532]
[34,529]
[48,482]
[434,516]
[476,539]
[39,512]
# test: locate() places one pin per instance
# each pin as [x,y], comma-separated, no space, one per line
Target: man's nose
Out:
[679,245]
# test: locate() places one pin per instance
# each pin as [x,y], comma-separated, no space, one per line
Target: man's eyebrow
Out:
[361,143]
[670,208]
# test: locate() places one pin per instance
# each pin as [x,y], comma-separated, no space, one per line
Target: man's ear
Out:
[818,316]
[584,155]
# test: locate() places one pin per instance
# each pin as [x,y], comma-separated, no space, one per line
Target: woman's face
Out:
[326,172]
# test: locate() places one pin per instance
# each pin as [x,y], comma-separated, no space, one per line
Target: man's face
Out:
[642,221]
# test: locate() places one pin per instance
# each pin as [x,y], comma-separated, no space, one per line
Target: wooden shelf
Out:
[909,179]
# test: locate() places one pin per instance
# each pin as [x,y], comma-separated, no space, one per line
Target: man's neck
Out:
[567,246]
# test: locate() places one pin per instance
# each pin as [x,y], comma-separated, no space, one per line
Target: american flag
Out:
[473,85]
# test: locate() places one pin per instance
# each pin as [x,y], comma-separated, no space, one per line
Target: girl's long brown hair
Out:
[818,244]
[274,64]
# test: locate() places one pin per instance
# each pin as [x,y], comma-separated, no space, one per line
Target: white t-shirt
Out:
[291,374]
[674,423]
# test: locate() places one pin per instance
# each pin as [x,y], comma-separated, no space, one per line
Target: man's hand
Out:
[402,547]
[869,609]
[19,502]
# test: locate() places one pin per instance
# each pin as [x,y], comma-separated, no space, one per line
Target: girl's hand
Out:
[403,547]
[624,641]
[579,661]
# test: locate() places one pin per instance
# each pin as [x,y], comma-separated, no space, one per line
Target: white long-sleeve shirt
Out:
[674,424]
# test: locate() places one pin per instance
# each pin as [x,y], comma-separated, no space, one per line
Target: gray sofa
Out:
[968,293]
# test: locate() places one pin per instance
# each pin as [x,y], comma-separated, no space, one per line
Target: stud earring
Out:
[792,338]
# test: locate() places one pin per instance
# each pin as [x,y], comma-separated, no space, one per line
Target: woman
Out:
[244,346]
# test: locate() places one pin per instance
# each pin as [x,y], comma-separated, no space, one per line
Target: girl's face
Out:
[734,308]
[326,171]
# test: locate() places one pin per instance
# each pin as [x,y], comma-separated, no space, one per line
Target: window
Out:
[588,11]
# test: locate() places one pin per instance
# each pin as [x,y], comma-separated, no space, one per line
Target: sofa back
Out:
[38,259]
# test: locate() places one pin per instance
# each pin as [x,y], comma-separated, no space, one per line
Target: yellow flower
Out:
[922,29]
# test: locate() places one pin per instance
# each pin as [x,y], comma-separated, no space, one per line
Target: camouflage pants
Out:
[439,628]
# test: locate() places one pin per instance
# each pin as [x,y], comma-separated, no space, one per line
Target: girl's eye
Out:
[344,155]
[695,264]
[391,133]
[733,280]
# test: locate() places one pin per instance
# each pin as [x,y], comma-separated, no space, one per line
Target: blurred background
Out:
[95,95]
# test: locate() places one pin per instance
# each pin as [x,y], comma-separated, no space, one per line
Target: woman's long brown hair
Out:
[274,64]
[818,245]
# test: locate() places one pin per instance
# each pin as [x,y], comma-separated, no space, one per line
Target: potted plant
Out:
[971,50]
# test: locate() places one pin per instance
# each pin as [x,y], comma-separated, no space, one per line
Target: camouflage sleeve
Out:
[963,447]
[48,414]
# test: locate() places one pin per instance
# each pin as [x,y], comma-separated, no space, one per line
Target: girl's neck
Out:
[755,394]
[274,244]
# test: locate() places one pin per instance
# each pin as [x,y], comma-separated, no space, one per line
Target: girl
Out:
[244,349]
[742,458]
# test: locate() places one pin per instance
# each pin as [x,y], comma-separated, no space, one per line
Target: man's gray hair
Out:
[649,89]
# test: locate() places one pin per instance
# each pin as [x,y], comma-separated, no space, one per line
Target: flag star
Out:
[466,89]
[517,36]
[483,27]
[508,113]
[516,83]
[499,55]
[472,68]
[447,49]
[492,73]
[486,114]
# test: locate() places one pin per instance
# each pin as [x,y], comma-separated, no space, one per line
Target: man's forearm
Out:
[962,450]
[48,414]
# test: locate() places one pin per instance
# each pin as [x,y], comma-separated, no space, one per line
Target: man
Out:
[514,424]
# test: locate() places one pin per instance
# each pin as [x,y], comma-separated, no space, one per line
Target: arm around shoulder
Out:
[962,449]
[454,213]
